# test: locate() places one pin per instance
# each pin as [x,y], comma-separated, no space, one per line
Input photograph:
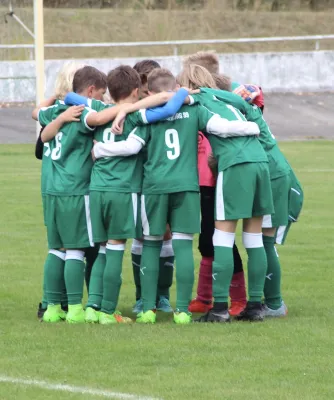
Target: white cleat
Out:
[280,312]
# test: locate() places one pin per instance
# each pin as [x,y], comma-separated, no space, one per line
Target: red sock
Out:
[238,288]
[204,288]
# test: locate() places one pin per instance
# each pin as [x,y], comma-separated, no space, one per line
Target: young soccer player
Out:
[166,261]
[111,188]
[243,191]
[63,84]
[170,190]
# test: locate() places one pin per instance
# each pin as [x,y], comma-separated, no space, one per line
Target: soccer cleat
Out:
[215,316]
[54,314]
[270,313]
[236,308]
[182,318]
[164,305]
[115,318]
[148,317]
[40,311]
[76,314]
[91,315]
[252,312]
[197,306]
[138,307]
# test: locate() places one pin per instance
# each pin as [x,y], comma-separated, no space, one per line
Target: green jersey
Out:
[277,164]
[43,118]
[235,150]
[70,154]
[118,174]
[171,164]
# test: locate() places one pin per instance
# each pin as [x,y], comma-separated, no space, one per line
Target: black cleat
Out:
[252,312]
[64,307]
[40,311]
[215,316]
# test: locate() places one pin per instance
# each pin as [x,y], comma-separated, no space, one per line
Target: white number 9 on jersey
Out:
[172,142]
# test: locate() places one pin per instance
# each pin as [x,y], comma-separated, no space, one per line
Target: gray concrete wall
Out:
[275,72]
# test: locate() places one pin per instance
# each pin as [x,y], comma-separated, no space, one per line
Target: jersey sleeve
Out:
[229,98]
[204,116]
[83,118]
[45,115]
[141,133]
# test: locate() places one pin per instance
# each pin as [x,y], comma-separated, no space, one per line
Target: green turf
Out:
[279,359]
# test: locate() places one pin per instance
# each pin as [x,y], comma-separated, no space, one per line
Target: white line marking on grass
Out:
[74,389]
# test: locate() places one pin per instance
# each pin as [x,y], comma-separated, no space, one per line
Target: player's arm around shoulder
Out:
[222,127]
[72,114]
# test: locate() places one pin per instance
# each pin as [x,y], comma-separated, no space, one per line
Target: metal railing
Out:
[176,43]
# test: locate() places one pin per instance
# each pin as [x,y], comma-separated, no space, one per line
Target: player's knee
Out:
[58,253]
[182,236]
[75,255]
[252,240]
[223,239]
[137,247]
[153,238]
[167,249]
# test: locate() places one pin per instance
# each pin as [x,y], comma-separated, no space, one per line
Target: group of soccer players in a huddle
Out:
[167,157]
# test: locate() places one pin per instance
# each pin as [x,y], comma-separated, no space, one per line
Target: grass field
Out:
[65,26]
[283,359]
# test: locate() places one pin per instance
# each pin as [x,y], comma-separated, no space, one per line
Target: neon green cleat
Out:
[76,314]
[54,313]
[91,315]
[115,318]
[148,317]
[182,318]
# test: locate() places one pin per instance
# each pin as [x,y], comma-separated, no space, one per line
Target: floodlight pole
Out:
[39,53]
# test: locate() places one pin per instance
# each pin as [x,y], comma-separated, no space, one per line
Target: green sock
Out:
[272,286]
[54,276]
[112,277]
[185,266]
[222,271]
[136,259]
[166,269]
[63,299]
[74,276]
[149,271]
[44,299]
[257,266]
[96,280]
[90,255]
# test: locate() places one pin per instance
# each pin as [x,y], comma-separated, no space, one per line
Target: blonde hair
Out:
[223,82]
[195,76]
[64,80]
[206,59]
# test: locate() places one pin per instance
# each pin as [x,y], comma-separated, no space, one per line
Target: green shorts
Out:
[44,208]
[115,215]
[68,222]
[280,188]
[243,191]
[180,210]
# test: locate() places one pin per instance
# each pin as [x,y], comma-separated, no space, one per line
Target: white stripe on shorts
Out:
[88,221]
[280,234]
[220,206]
[144,220]
[267,221]
[135,206]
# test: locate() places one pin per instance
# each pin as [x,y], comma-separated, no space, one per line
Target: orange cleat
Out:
[236,308]
[197,306]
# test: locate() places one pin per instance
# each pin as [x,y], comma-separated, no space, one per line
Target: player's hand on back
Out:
[118,123]
[72,114]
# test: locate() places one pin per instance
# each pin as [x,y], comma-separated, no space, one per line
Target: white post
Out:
[39,53]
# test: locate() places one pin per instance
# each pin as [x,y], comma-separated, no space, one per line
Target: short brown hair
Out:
[206,59]
[88,76]
[122,81]
[223,82]
[161,79]
[144,68]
